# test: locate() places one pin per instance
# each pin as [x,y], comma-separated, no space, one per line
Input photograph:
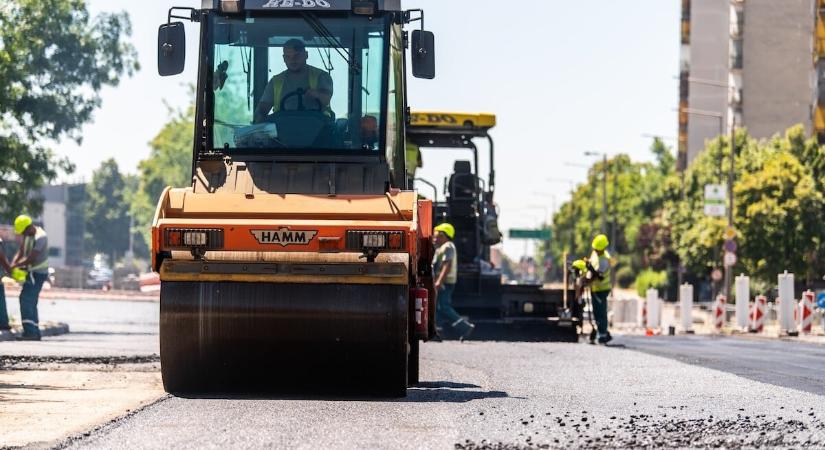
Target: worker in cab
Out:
[32,258]
[5,270]
[300,84]
[599,265]
[445,272]
[413,161]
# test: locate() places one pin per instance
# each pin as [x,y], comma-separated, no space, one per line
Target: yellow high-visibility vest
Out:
[314,74]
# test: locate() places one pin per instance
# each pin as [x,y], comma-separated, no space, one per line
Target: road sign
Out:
[715,200]
[820,299]
[730,246]
[730,259]
[730,233]
[542,234]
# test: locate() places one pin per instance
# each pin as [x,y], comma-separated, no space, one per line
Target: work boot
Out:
[5,327]
[28,337]
[605,339]
[467,326]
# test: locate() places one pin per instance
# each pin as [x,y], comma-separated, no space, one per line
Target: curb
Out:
[47,329]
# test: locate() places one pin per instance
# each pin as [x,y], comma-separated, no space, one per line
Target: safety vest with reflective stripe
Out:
[602,264]
[28,245]
[314,75]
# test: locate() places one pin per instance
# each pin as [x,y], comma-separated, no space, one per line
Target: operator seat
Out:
[463,183]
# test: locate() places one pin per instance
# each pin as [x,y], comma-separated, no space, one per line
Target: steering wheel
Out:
[300,93]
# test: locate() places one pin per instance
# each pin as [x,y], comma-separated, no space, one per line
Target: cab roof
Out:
[303,5]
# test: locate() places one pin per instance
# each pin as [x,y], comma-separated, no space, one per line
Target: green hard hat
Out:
[21,223]
[447,229]
[600,242]
[580,265]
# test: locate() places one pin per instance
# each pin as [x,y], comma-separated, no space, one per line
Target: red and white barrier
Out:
[719,312]
[806,312]
[757,323]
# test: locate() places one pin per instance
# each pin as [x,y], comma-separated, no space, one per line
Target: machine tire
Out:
[412,365]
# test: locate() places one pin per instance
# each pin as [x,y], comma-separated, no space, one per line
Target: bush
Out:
[625,277]
[650,279]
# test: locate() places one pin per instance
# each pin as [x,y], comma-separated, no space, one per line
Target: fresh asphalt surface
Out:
[704,392]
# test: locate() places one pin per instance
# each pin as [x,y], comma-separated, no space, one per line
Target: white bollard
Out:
[743,295]
[787,302]
[654,310]
[686,307]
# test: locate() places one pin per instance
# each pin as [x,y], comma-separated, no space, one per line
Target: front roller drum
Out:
[275,337]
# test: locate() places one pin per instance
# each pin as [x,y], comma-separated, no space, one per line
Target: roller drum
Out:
[279,337]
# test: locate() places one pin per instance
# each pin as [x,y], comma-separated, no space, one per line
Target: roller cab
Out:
[298,258]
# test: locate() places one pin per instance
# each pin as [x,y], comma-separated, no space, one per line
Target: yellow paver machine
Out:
[298,259]
[500,311]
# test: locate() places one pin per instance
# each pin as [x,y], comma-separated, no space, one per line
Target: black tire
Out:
[412,364]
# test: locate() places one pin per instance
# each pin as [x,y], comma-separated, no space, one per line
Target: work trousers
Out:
[28,302]
[4,315]
[599,300]
[445,314]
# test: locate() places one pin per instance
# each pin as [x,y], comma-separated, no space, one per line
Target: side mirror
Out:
[171,49]
[423,57]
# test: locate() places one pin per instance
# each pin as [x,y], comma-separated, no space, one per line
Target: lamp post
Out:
[604,187]
[732,169]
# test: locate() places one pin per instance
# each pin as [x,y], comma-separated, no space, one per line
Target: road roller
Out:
[299,257]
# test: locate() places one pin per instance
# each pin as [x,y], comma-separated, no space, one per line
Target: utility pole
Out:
[604,196]
[731,176]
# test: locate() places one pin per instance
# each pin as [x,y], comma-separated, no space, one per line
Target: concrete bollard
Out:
[719,312]
[642,312]
[654,309]
[743,295]
[787,301]
[806,311]
[686,307]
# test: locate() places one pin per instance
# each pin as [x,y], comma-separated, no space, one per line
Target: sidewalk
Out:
[46,329]
[88,294]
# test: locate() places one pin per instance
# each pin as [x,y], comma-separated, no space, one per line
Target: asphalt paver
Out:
[488,395]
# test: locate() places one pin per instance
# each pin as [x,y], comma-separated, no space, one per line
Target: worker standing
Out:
[5,268]
[599,264]
[33,257]
[445,271]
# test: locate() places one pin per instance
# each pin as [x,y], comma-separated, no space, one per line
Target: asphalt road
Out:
[502,395]
[98,329]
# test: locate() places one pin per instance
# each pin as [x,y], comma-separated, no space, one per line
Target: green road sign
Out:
[542,235]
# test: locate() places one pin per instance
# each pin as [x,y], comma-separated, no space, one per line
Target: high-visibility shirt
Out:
[446,252]
[602,264]
[39,242]
[413,155]
[314,75]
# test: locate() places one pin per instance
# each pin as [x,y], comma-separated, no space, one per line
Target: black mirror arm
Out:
[192,17]
[408,16]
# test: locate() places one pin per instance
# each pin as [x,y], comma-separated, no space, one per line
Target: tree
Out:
[169,164]
[107,212]
[54,59]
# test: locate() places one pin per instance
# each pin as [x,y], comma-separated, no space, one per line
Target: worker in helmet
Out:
[599,265]
[33,258]
[5,269]
[445,272]
[314,85]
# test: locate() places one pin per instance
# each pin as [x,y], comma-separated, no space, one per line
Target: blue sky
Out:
[563,77]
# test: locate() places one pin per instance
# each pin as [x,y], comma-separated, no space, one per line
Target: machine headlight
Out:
[375,240]
[188,238]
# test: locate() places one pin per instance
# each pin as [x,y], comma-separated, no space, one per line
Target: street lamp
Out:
[732,170]
[604,187]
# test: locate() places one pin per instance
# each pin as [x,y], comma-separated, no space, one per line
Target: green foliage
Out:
[107,212]
[636,196]
[54,59]
[168,164]
[650,279]
[625,276]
